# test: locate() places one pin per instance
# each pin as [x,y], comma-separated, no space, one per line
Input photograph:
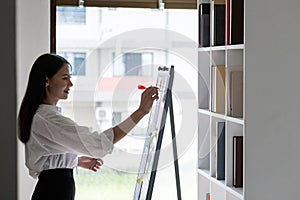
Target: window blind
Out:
[122,3]
[111,3]
[180,4]
[67,2]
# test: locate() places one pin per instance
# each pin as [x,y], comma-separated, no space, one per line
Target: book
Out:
[218,89]
[237,22]
[219,22]
[236,94]
[237,161]
[207,196]
[227,22]
[220,173]
[212,88]
[204,25]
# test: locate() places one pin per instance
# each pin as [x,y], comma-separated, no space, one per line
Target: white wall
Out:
[33,39]
[272,48]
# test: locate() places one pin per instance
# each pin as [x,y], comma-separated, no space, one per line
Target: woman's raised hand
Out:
[147,98]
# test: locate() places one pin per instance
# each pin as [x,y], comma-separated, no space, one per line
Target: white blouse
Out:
[56,140]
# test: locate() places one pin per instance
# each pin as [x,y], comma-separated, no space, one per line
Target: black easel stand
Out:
[169,104]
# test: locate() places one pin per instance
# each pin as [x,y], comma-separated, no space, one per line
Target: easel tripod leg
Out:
[175,149]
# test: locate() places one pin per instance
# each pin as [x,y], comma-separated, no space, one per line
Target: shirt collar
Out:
[50,108]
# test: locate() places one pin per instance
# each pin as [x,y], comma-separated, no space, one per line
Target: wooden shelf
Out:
[218,48]
[236,46]
[204,172]
[238,192]
[221,116]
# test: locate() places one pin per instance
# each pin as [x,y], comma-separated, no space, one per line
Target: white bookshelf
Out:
[271,102]
[232,57]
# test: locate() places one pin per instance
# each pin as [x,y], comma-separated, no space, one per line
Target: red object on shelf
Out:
[207,196]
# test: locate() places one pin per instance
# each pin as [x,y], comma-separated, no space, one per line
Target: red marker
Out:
[141,87]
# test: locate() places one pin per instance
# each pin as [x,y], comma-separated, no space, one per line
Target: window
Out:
[114,49]
[77,61]
[133,64]
[71,15]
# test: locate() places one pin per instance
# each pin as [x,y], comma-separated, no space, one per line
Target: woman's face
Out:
[58,86]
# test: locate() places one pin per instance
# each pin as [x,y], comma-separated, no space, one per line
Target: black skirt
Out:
[55,184]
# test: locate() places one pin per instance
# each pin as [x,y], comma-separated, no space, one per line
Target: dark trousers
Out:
[55,184]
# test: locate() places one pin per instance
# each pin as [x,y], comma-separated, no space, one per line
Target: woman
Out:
[52,141]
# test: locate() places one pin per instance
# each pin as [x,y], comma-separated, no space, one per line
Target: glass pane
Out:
[77,61]
[70,16]
[112,51]
[147,60]
[132,61]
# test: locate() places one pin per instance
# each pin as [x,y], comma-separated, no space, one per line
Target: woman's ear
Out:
[47,82]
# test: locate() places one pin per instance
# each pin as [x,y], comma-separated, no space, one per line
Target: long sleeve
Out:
[55,141]
[59,134]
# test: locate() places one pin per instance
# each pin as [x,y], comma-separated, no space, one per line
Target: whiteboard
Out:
[163,83]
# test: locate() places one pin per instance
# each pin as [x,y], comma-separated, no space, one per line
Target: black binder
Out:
[238,161]
[220,151]
[237,22]
[219,24]
[204,25]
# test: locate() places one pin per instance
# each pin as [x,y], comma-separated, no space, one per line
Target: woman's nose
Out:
[70,83]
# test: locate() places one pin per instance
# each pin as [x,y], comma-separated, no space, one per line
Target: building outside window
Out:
[71,15]
[133,64]
[77,61]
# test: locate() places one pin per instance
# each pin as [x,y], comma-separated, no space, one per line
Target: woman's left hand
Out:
[90,163]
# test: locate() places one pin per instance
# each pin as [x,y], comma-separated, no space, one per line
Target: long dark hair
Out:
[44,66]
